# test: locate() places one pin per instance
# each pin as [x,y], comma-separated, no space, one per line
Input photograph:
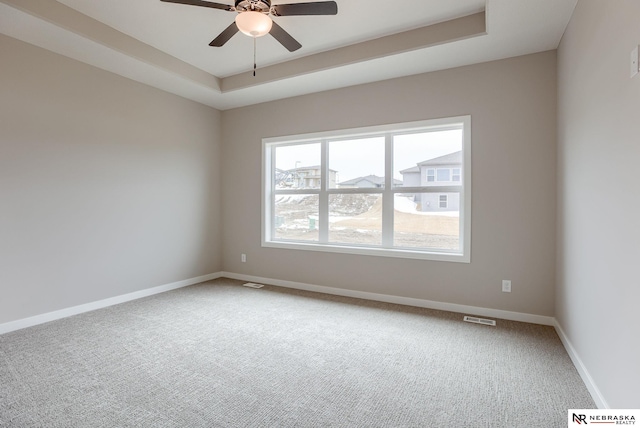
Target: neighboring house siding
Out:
[442,171]
[368,182]
[308,178]
[411,179]
[432,201]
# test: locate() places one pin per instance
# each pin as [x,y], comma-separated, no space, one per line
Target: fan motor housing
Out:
[253,5]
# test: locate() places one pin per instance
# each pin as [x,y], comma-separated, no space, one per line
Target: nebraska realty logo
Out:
[607,417]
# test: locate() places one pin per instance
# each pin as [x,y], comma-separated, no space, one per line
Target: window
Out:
[431,175]
[444,174]
[371,191]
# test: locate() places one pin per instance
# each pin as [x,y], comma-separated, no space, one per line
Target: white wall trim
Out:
[408,301]
[87,307]
[582,369]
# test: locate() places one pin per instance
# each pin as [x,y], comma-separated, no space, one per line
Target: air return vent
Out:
[477,320]
[252,285]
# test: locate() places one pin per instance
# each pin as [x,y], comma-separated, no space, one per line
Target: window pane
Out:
[444,174]
[431,176]
[355,219]
[419,222]
[296,217]
[357,163]
[416,156]
[456,174]
[297,166]
[325,191]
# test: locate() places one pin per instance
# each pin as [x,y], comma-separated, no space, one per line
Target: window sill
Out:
[369,251]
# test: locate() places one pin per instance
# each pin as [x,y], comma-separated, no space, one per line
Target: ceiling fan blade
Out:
[201,3]
[224,37]
[284,38]
[315,8]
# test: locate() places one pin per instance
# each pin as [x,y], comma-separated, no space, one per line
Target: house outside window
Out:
[455,175]
[394,190]
[444,174]
[431,174]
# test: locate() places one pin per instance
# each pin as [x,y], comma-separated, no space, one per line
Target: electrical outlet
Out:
[634,61]
[506,286]
[243,258]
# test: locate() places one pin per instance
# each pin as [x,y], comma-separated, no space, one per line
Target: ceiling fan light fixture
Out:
[253,24]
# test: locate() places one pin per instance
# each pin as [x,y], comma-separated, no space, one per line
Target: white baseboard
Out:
[582,370]
[67,312]
[408,301]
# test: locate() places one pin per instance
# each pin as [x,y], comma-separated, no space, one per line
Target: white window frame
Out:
[441,201]
[386,249]
[431,174]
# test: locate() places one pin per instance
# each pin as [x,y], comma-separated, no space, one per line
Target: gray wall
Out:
[107,186]
[598,290]
[513,107]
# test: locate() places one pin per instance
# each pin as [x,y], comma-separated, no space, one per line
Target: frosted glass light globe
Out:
[253,24]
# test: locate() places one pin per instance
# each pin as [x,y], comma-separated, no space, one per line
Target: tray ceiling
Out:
[165,45]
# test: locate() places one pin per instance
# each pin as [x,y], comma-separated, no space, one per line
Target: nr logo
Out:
[580,419]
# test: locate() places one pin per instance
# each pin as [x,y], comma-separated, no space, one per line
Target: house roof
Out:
[451,158]
[409,170]
[370,178]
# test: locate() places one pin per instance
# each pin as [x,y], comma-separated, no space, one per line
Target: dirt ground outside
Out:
[357,219]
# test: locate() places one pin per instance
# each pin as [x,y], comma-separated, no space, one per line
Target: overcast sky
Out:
[362,157]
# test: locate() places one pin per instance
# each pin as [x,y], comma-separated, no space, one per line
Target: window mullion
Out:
[387,194]
[323,202]
[268,199]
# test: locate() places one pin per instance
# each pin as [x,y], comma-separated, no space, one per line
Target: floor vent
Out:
[477,320]
[252,285]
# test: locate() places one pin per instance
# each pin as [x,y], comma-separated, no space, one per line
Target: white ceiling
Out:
[165,45]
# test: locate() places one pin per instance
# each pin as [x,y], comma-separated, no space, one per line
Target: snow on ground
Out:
[284,199]
[337,218]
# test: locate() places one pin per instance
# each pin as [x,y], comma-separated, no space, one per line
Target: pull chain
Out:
[254,56]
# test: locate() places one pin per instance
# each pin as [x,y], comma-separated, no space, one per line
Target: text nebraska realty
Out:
[606,419]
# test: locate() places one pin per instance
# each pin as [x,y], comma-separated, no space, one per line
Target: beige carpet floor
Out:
[221,355]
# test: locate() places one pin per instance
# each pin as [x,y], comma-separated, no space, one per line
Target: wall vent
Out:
[477,320]
[253,285]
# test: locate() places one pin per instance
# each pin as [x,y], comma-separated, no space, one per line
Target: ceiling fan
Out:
[253,18]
